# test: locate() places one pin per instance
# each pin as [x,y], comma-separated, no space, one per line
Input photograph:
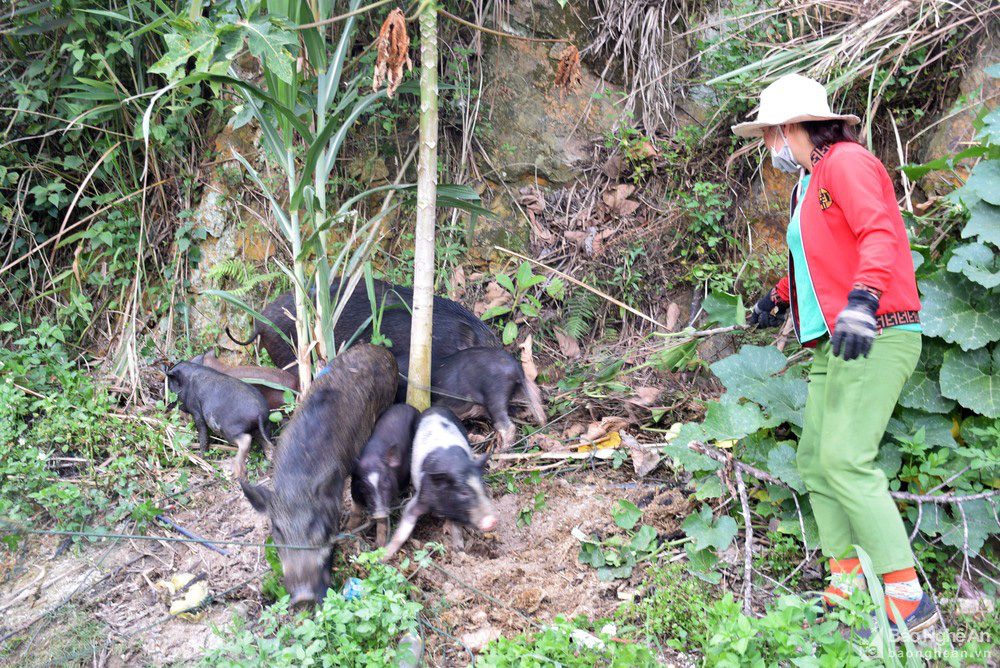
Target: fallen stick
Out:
[193,536]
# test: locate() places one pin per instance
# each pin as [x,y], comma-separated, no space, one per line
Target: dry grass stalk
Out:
[568,72]
[393,52]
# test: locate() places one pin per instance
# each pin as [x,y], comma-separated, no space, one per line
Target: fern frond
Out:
[579,313]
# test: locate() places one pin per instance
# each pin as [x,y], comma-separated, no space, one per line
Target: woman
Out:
[853,299]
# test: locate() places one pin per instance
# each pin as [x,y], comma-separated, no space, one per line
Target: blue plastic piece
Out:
[352,589]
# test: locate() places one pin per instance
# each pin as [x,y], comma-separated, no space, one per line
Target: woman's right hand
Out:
[769,311]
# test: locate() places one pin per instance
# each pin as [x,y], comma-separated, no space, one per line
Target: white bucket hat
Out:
[792,98]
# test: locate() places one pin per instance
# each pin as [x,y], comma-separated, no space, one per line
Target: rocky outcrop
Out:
[955,129]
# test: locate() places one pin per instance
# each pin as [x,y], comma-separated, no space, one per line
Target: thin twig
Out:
[747,543]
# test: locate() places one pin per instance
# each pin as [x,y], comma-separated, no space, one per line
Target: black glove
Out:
[769,311]
[854,330]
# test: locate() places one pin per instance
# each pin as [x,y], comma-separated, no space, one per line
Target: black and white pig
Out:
[315,454]
[229,407]
[448,479]
[384,468]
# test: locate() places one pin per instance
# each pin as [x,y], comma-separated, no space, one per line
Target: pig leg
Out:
[497,407]
[457,539]
[202,428]
[414,509]
[243,449]
[355,519]
[381,531]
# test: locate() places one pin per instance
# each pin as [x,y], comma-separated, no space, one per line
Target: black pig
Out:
[448,480]
[316,452]
[275,398]
[481,382]
[454,327]
[228,406]
[384,467]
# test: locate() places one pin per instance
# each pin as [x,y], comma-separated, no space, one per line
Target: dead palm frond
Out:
[639,36]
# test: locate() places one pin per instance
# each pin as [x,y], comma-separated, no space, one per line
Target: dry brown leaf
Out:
[596,430]
[457,284]
[644,460]
[393,52]
[574,430]
[673,315]
[568,71]
[612,168]
[527,361]
[616,199]
[534,205]
[645,396]
[547,443]
[495,296]
[567,345]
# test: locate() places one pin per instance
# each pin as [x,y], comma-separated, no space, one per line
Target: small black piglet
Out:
[384,468]
[229,407]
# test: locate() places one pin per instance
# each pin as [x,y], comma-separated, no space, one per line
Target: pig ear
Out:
[483,461]
[258,496]
[394,457]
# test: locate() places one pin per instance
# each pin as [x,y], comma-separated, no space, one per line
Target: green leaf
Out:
[958,311]
[984,222]
[991,128]
[8,326]
[268,43]
[708,531]
[725,309]
[983,184]
[948,162]
[509,332]
[644,539]
[504,281]
[937,428]
[979,519]
[889,459]
[626,514]
[686,458]
[992,71]
[781,463]
[523,274]
[750,374]
[725,421]
[977,262]
[708,487]
[973,379]
[494,312]
[556,288]
[922,389]
[702,563]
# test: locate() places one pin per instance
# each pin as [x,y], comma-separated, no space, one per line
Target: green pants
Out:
[847,410]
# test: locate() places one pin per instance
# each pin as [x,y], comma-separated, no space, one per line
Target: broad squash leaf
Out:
[973,379]
[984,222]
[750,374]
[978,263]
[922,390]
[708,531]
[782,464]
[959,311]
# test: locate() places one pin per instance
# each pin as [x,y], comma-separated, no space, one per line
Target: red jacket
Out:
[852,232]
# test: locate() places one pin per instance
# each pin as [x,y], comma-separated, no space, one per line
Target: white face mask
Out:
[783,160]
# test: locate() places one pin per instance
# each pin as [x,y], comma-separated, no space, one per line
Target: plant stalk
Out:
[419,372]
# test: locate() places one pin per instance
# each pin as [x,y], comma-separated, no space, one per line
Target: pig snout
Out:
[307,577]
[484,516]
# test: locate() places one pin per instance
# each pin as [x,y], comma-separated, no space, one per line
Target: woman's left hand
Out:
[854,331]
